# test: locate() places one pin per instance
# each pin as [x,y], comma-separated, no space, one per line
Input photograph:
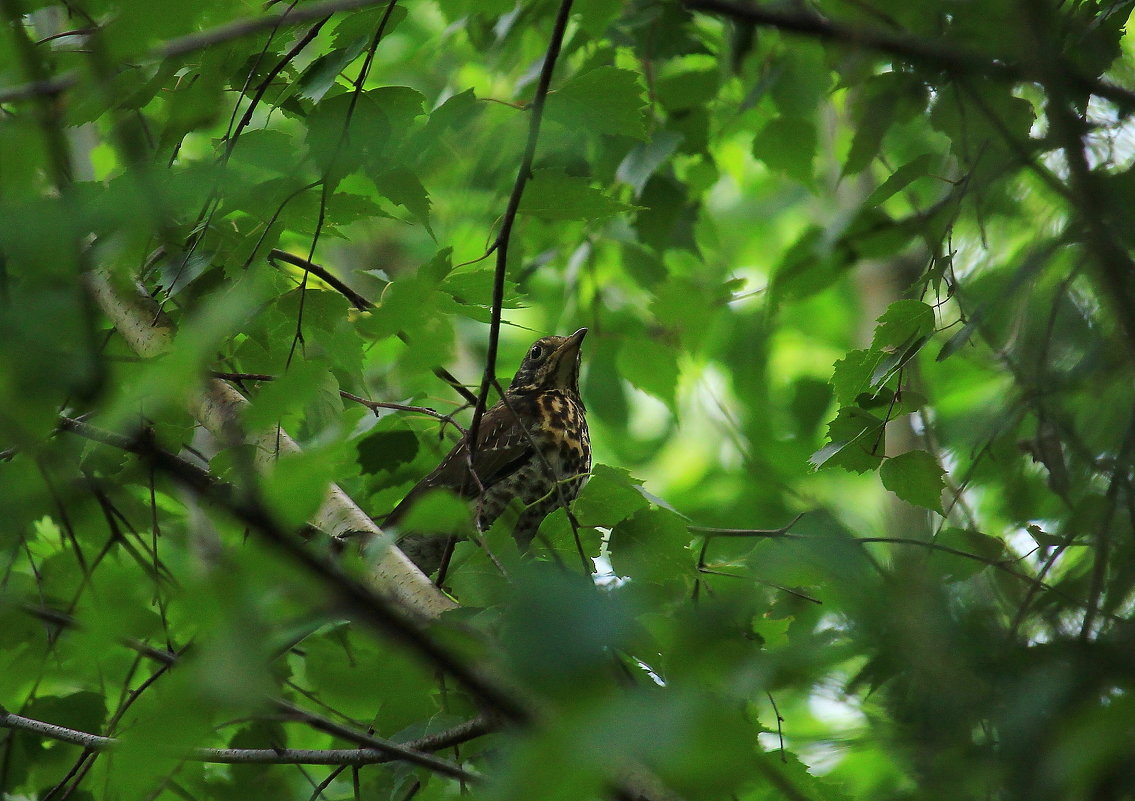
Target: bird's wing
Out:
[502,446]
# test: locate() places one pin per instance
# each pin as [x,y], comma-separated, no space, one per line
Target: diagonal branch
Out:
[219,409]
[500,245]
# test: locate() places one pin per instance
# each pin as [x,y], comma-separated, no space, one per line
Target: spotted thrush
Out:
[533,446]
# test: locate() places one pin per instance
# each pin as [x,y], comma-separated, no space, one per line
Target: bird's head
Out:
[551,363]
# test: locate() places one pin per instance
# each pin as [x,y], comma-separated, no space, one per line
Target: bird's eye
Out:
[536,352]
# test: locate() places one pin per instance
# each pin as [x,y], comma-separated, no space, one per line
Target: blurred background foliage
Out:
[864,262]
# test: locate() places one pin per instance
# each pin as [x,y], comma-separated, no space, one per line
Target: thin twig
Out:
[413,751]
[183,45]
[376,611]
[373,405]
[362,304]
[502,241]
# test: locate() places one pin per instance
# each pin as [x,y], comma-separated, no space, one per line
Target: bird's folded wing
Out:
[502,447]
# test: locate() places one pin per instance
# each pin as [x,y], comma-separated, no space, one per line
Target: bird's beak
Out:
[568,357]
[573,343]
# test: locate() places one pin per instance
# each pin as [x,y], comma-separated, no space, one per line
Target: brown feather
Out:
[541,406]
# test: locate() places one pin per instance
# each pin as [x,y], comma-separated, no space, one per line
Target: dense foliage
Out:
[866,263]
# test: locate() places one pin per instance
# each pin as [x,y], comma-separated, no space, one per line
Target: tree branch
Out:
[377,611]
[502,241]
[362,304]
[184,45]
[954,59]
[219,409]
[413,752]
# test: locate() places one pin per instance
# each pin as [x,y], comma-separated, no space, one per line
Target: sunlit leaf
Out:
[916,477]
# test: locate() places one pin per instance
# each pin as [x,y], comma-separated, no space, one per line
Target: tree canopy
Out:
[860,295]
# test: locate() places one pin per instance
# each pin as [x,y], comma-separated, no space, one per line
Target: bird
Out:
[532,445]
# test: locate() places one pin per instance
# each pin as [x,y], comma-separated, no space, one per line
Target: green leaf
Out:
[285,396]
[651,367]
[596,15]
[853,373]
[903,322]
[803,78]
[900,179]
[692,88]
[788,145]
[883,101]
[652,545]
[439,511]
[556,533]
[916,477]
[297,483]
[606,100]
[552,194]
[608,497]
[403,187]
[386,450]
[856,439]
[644,159]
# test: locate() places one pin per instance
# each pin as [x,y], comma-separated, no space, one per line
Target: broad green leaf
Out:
[788,145]
[556,532]
[609,496]
[666,217]
[596,15]
[802,78]
[687,89]
[916,477]
[403,187]
[361,25]
[652,545]
[297,483]
[855,442]
[322,73]
[286,396]
[552,194]
[605,100]
[853,374]
[645,158]
[386,450]
[651,367]
[439,511]
[903,322]
[900,179]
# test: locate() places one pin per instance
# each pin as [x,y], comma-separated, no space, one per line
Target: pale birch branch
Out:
[218,408]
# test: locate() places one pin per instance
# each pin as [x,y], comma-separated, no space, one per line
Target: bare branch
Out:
[413,752]
[505,234]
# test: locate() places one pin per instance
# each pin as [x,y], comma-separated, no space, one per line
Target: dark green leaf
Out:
[605,100]
[609,496]
[651,367]
[554,195]
[916,477]
[788,145]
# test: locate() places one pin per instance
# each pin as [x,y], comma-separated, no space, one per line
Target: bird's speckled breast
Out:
[563,433]
[559,429]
